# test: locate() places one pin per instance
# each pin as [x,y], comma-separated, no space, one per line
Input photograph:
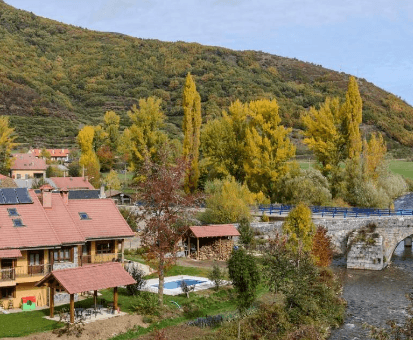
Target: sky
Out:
[370,39]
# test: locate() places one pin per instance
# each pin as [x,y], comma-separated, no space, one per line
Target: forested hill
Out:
[55,77]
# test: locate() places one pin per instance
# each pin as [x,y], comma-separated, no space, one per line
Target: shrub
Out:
[191,310]
[138,276]
[265,218]
[146,303]
[186,289]
[247,233]
[216,275]
[322,251]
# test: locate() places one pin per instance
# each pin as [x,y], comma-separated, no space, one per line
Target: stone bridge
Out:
[373,251]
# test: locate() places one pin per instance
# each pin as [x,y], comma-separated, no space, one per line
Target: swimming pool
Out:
[177,284]
[172,284]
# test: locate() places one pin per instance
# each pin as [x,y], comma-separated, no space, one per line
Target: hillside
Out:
[55,77]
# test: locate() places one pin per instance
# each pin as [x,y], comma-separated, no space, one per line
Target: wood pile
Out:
[211,249]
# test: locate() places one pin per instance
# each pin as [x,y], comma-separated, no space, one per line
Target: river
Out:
[376,296]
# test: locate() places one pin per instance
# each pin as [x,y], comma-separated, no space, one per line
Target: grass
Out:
[25,323]
[135,258]
[404,168]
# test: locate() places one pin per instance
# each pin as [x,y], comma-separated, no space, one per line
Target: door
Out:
[35,262]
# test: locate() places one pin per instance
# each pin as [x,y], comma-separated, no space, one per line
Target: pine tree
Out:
[191,127]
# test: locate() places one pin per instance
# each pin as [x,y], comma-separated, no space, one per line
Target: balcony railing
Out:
[10,274]
[100,258]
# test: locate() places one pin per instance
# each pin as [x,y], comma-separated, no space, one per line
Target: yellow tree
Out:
[223,137]
[144,136]
[111,126]
[112,181]
[267,146]
[299,228]
[373,155]
[323,136]
[88,158]
[191,103]
[351,116]
[7,137]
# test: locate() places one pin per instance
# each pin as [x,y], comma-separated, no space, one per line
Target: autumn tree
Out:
[299,229]
[88,158]
[111,126]
[351,113]
[222,137]
[7,137]
[191,103]
[322,250]
[164,210]
[374,151]
[145,136]
[268,148]
[112,181]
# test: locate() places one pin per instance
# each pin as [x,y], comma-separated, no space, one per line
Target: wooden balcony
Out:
[99,258]
[24,274]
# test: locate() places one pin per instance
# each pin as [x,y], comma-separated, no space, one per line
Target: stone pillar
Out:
[408,242]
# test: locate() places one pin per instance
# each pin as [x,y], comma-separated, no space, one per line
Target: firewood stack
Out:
[211,250]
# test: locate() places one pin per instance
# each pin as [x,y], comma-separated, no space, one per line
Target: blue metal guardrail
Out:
[337,211]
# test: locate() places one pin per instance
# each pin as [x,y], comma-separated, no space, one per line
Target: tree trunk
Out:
[239,329]
[161,279]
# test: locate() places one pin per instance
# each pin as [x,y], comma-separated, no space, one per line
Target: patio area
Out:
[87,315]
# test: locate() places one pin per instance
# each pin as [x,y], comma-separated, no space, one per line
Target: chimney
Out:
[102,192]
[47,195]
[65,195]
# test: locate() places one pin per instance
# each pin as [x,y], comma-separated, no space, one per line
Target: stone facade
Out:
[363,256]
[66,265]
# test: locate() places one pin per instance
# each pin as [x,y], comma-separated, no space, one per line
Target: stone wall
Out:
[65,265]
[365,256]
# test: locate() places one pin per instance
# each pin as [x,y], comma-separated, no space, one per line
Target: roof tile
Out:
[215,230]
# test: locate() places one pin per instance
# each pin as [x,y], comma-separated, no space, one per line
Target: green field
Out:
[402,167]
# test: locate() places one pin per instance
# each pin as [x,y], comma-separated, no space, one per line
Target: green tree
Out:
[245,277]
[299,229]
[145,136]
[247,233]
[7,137]
[191,126]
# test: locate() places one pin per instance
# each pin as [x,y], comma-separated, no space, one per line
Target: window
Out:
[104,247]
[7,292]
[13,212]
[84,216]
[17,222]
[63,254]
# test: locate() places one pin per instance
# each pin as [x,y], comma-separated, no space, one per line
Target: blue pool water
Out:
[177,284]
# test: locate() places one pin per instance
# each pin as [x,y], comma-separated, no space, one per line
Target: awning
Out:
[215,230]
[10,253]
[89,277]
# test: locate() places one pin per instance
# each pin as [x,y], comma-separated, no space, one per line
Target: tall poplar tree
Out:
[191,103]
[7,138]
[351,112]
[88,158]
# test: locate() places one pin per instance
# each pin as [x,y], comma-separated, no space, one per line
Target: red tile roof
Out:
[24,161]
[90,277]
[66,229]
[3,177]
[105,220]
[10,253]
[215,230]
[53,152]
[72,183]
[36,232]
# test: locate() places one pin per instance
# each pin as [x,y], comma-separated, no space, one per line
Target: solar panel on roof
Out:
[10,196]
[2,200]
[23,195]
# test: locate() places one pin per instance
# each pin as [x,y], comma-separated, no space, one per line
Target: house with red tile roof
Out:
[43,232]
[27,166]
[72,183]
[210,241]
[55,154]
